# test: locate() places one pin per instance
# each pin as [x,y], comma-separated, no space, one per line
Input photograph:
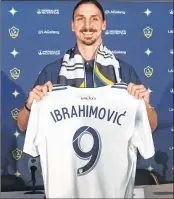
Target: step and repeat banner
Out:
[35,33]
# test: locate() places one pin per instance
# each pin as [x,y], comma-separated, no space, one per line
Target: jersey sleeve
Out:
[143,139]
[32,131]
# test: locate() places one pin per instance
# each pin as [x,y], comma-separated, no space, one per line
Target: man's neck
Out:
[87,52]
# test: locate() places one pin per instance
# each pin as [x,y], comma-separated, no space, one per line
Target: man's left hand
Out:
[139,91]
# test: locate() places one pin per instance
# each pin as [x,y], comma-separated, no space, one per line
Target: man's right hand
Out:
[38,92]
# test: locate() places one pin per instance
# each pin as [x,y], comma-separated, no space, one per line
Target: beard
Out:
[88,41]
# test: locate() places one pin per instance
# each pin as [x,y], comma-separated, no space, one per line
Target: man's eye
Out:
[79,19]
[95,19]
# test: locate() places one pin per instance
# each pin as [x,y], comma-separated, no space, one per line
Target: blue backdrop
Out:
[35,33]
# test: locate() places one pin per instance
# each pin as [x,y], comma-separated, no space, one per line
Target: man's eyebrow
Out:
[81,15]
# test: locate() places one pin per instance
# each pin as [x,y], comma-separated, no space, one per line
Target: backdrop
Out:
[35,33]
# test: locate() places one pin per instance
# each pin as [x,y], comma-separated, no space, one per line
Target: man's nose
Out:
[87,23]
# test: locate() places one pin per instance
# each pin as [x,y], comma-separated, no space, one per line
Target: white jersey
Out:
[87,140]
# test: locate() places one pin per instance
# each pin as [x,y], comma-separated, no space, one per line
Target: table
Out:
[147,191]
[159,191]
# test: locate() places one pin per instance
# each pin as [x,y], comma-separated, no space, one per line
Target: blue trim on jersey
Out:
[57,89]
[58,85]
[120,87]
[121,84]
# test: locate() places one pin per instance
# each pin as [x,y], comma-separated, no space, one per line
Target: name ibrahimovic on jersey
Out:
[87,111]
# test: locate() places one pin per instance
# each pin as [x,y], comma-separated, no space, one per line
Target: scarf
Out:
[105,69]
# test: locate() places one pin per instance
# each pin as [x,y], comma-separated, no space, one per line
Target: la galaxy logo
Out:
[15,73]
[17,154]
[148,71]
[14,32]
[15,113]
[148,32]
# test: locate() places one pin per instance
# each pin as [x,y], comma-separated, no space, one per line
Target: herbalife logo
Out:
[115,32]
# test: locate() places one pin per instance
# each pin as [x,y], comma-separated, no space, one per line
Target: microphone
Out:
[33,166]
[33,170]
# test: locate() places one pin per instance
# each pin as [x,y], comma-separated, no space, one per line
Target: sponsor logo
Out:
[48,52]
[172,90]
[47,11]
[171,51]
[171,148]
[115,32]
[48,32]
[15,113]
[170,31]
[172,129]
[88,98]
[17,154]
[148,32]
[119,52]
[14,32]
[171,109]
[171,11]
[115,12]
[170,70]
[148,71]
[15,73]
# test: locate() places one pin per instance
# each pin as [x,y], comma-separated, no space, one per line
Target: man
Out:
[88,64]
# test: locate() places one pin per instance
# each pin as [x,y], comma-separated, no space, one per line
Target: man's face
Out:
[88,24]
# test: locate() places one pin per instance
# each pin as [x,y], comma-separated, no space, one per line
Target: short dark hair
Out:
[95,2]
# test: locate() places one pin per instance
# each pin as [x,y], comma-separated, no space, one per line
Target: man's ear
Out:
[72,25]
[104,25]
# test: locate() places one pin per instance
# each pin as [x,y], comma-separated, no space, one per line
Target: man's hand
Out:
[38,93]
[139,91]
